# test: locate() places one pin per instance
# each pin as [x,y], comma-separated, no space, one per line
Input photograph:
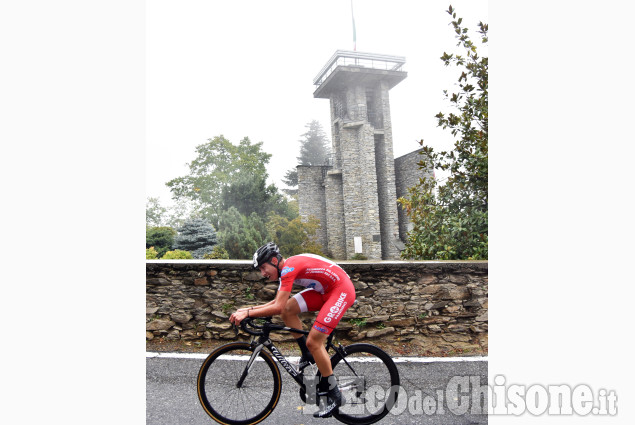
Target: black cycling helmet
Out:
[265,253]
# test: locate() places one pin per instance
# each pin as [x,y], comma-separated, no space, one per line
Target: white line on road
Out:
[202,356]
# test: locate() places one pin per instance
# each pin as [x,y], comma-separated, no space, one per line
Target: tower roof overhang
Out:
[346,68]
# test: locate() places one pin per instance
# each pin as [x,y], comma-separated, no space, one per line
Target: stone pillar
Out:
[359,179]
[385,168]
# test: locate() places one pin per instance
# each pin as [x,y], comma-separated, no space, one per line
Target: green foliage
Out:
[218,253]
[217,164]
[177,254]
[155,213]
[241,236]
[359,322]
[294,208]
[180,212]
[249,194]
[151,253]
[450,220]
[315,149]
[172,216]
[196,235]
[227,184]
[279,205]
[227,307]
[359,256]
[291,179]
[248,294]
[294,236]
[161,238]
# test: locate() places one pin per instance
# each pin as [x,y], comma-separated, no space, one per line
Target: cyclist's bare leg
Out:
[315,343]
[290,317]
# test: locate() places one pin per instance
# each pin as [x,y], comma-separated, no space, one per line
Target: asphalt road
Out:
[436,393]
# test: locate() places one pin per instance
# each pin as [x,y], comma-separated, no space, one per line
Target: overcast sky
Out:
[246,69]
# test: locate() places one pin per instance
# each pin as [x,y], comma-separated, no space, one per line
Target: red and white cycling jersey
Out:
[311,271]
[329,289]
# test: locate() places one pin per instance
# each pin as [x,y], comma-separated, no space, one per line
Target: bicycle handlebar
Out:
[249,321]
[266,327]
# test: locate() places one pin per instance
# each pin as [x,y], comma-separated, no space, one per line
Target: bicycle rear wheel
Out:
[369,382]
[228,401]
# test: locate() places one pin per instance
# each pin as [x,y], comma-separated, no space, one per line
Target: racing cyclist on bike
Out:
[329,290]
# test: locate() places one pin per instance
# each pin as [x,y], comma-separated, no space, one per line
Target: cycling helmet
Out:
[266,253]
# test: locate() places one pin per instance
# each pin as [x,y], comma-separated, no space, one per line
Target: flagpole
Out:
[354,35]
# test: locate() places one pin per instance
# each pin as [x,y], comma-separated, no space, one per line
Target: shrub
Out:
[177,254]
[151,253]
[161,238]
[359,256]
[218,253]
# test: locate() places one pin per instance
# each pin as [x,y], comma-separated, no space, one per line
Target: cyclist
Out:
[329,291]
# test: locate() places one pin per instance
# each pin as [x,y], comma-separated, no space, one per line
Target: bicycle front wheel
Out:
[369,382]
[232,393]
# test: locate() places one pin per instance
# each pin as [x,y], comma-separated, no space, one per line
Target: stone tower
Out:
[354,196]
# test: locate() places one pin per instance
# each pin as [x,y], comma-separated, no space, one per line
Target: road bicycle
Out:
[240,383]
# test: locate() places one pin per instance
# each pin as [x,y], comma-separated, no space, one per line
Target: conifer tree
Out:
[197,236]
[315,149]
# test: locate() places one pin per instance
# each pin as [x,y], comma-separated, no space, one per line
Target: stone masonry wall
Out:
[336,229]
[312,197]
[386,183]
[440,306]
[407,174]
[359,179]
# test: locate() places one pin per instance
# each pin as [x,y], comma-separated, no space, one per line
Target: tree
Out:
[155,213]
[250,194]
[181,211]
[240,235]
[450,220]
[197,236]
[314,150]
[217,163]
[161,238]
[247,193]
[172,216]
[291,180]
[294,236]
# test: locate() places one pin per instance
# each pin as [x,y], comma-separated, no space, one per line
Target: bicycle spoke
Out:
[223,400]
[366,380]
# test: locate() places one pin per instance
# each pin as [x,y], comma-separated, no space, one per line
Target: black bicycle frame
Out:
[265,341]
